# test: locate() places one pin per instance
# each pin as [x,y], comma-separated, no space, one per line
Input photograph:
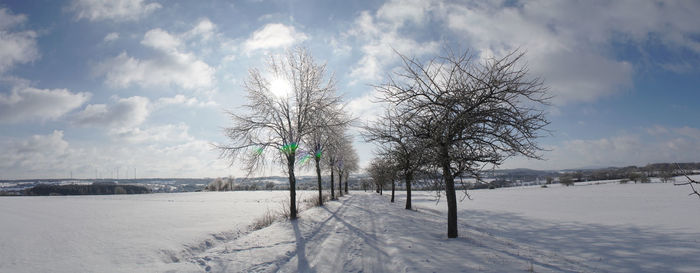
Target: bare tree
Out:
[279,114]
[690,182]
[329,124]
[469,113]
[566,180]
[330,160]
[383,170]
[351,164]
[347,161]
[392,133]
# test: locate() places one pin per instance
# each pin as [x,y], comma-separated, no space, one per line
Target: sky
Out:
[139,88]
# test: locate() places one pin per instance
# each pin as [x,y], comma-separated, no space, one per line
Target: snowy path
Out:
[363,232]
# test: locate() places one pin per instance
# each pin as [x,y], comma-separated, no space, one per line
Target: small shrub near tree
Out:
[644,179]
[265,221]
[666,176]
[566,180]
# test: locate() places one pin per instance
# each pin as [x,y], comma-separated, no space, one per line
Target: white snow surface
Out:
[584,228]
[121,233]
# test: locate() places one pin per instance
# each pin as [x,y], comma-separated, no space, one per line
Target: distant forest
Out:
[94,189]
[664,171]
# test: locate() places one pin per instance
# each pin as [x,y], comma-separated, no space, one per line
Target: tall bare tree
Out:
[382,170]
[349,161]
[470,113]
[329,124]
[282,104]
[391,132]
[331,158]
[345,158]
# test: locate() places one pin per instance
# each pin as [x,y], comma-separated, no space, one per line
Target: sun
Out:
[280,87]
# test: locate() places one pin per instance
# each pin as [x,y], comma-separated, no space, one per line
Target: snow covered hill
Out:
[596,228]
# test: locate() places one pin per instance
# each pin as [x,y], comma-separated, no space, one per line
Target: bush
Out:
[265,221]
[624,181]
[221,184]
[270,216]
[313,202]
[666,177]
[119,190]
[645,179]
[566,180]
[284,207]
[550,179]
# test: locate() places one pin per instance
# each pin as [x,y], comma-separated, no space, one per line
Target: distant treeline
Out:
[661,170]
[94,189]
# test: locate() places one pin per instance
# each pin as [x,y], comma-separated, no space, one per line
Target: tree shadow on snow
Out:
[302,261]
[607,248]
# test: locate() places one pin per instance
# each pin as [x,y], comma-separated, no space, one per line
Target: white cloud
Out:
[110,37]
[365,108]
[17,47]
[32,153]
[273,36]
[574,58]
[180,69]
[339,48]
[170,133]
[170,66]
[380,36]
[400,11]
[163,151]
[125,113]
[180,99]
[117,10]
[649,145]
[9,20]
[28,103]
[161,40]
[204,29]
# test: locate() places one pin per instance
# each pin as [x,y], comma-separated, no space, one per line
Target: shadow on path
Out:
[615,248]
[302,261]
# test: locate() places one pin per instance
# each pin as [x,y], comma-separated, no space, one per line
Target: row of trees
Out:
[448,117]
[294,114]
[452,116]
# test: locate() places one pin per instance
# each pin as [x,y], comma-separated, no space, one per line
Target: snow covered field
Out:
[125,233]
[608,227]
[594,228]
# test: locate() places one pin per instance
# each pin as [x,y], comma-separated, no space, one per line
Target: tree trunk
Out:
[450,194]
[409,178]
[340,183]
[318,176]
[332,182]
[292,187]
[393,188]
[346,183]
[381,189]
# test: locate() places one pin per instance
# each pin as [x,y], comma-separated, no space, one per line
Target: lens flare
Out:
[259,151]
[304,159]
[290,148]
